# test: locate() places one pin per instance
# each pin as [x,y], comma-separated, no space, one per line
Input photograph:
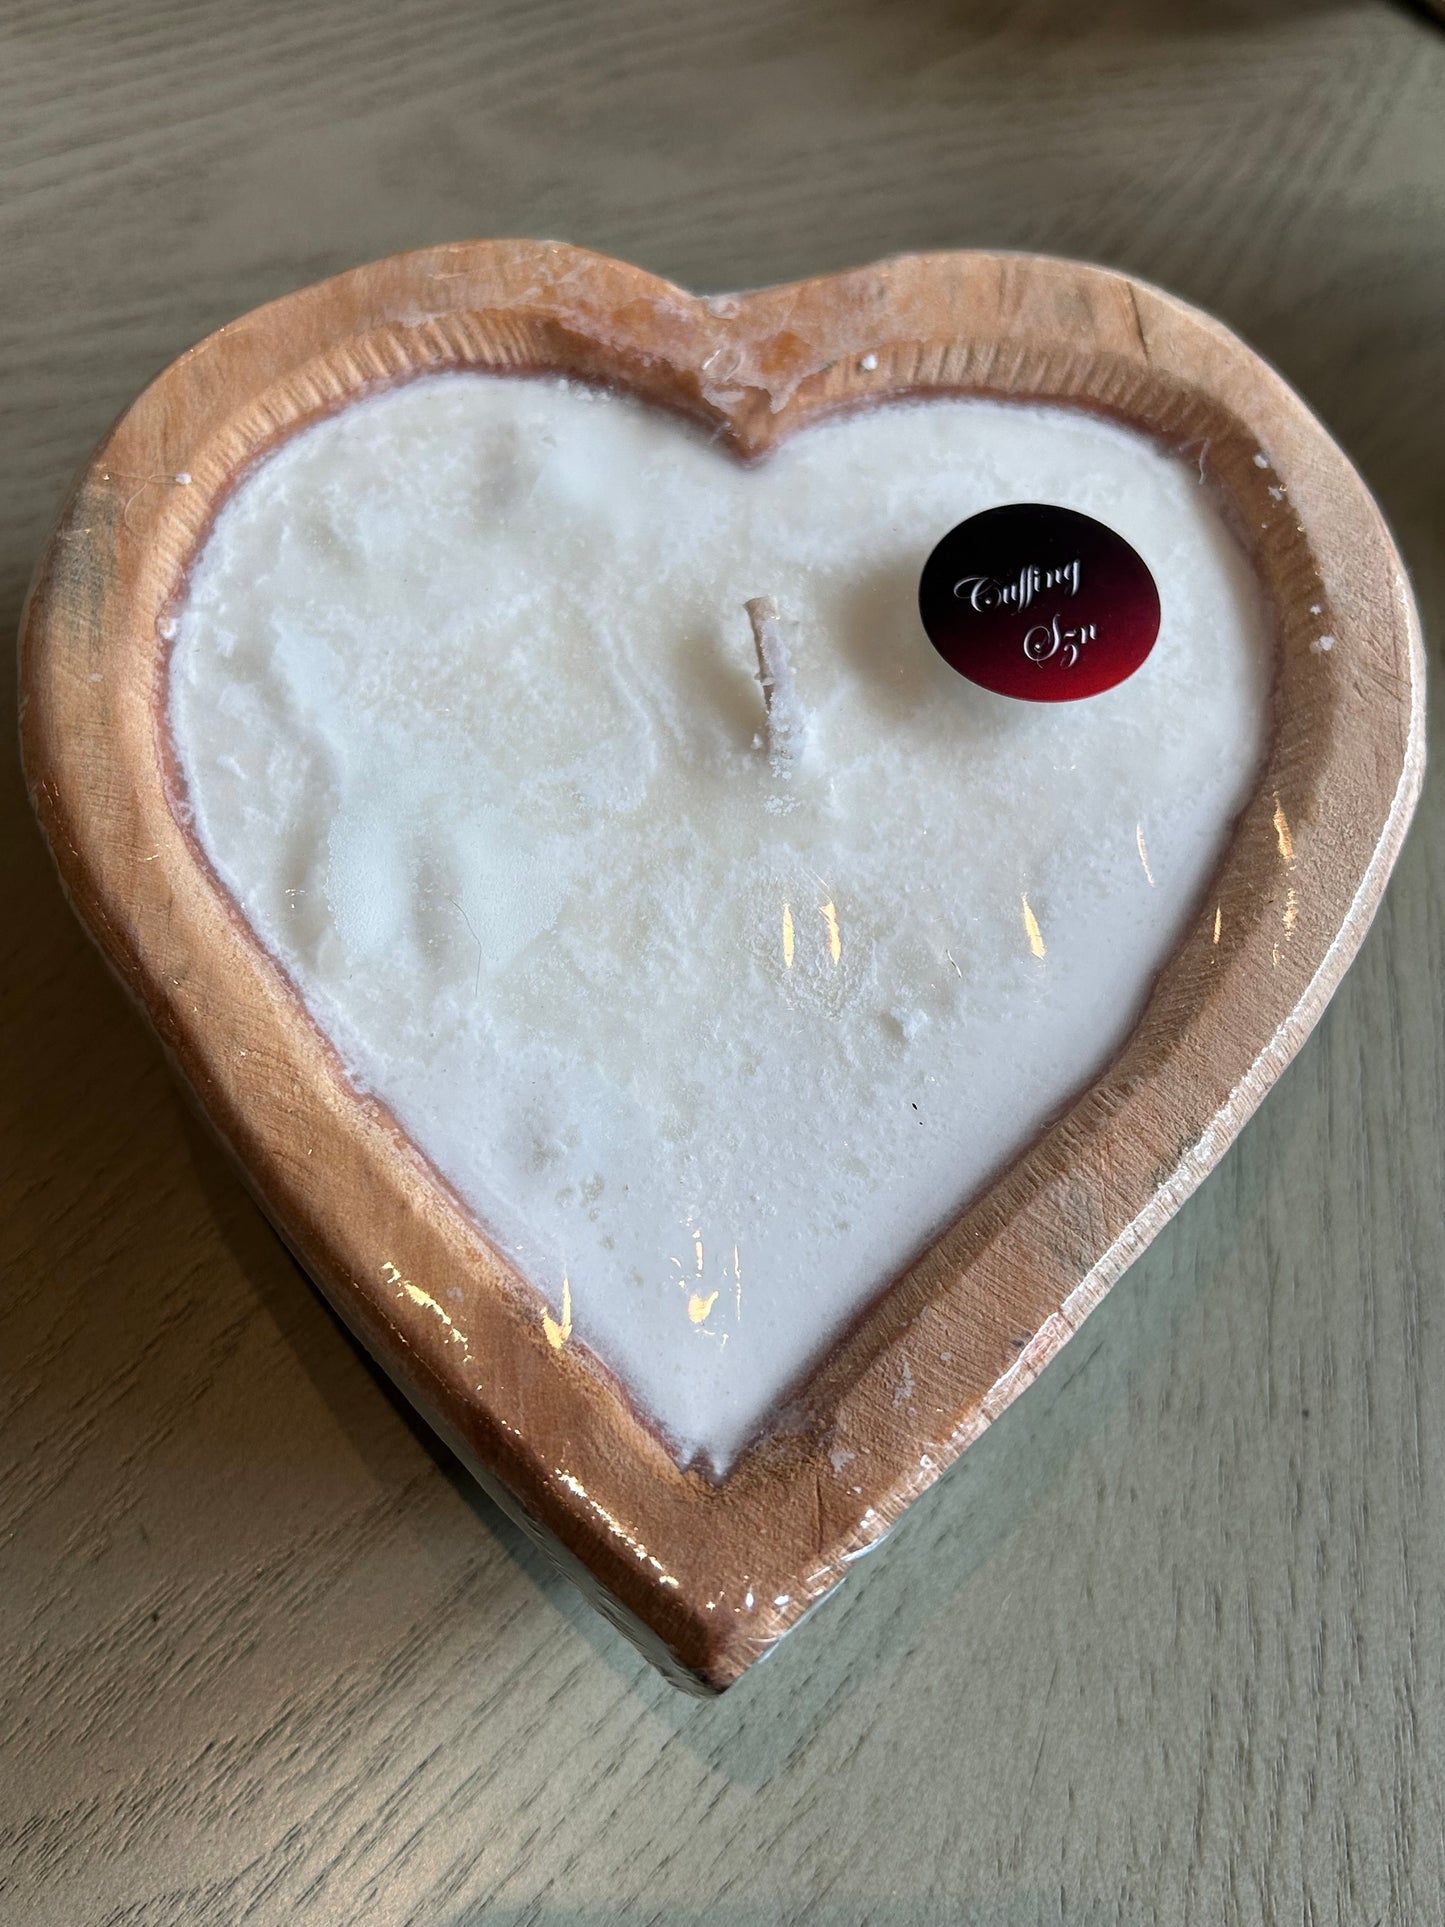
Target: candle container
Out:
[707,1562]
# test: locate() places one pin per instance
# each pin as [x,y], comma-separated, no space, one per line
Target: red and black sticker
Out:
[1039,602]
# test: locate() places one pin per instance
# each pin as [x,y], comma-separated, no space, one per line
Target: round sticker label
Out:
[1039,602]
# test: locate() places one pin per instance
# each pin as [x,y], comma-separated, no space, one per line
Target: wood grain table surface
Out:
[1169,1644]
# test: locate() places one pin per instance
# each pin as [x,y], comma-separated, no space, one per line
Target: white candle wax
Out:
[466,703]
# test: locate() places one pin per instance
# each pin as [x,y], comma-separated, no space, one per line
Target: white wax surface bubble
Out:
[466,702]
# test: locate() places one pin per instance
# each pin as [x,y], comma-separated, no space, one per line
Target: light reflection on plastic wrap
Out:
[615,1526]
[1031,928]
[558,1334]
[1143,852]
[423,1298]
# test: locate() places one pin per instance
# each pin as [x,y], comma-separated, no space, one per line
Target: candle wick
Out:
[787,725]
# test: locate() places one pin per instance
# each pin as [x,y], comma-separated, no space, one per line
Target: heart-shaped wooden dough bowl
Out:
[708,1575]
